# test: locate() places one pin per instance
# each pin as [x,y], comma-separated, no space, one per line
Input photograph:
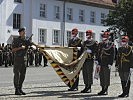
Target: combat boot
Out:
[125,89]
[23,93]
[17,92]
[87,89]
[104,91]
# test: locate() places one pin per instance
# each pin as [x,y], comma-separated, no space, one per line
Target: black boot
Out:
[123,95]
[87,89]
[124,88]
[104,91]
[128,88]
[17,92]
[23,93]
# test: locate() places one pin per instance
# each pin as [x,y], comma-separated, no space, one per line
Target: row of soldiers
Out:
[103,55]
[34,57]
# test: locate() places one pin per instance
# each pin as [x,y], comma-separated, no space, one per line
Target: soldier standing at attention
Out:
[75,42]
[90,46]
[124,64]
[105,57]
[19,47]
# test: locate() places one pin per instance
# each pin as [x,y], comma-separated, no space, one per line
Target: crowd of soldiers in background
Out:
[34,57]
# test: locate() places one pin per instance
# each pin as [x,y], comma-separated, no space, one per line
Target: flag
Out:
[65,62]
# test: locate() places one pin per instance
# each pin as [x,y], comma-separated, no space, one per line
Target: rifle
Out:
[28,41]
[30,37]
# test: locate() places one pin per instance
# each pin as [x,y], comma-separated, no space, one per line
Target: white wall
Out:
[30,10]
[2,20]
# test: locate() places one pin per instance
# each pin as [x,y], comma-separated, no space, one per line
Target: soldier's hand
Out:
[109,66]
[96,62]
[131,70]
[88,51]
[79,48]
[23,47]
[98,68]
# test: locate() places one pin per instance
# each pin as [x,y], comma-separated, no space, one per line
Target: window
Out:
[81,35]
[69,14]
[68,36]
[102,18]
[43,10]
[16,21]
[42,35]
[56,37]
[19,1]
[57,12]
[81,15]
[92,17]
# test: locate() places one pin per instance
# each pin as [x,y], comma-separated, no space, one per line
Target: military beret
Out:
[75,29]
[21,29]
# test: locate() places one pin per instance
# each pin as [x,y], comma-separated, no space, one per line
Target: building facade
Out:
[51,21]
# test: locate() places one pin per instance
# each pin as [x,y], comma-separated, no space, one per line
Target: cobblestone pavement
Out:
[58,91]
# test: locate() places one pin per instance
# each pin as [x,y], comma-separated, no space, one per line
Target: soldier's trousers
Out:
[88,72]
[75,85]
[19,71]
[104,76]
[0,60]
[125,81]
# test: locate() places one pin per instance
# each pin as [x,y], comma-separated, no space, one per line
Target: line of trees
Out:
[120,19]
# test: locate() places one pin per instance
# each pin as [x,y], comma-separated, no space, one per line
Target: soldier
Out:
[1,55]
[6,55]
[45,61]
[75,42]
[90,46]
[19,47]
[10,57]
[31,56]
[105,57]
[124,64]
[40,58]
[36,57]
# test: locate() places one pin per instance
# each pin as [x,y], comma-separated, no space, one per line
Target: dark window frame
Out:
[19,1]
[16,21]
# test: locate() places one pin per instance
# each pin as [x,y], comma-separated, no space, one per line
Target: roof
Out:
[97,3]
[104,2]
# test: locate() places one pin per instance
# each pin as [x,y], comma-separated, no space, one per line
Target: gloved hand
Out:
[131,70]
[23,47]
[96,62]
[109,66]
[79,48]
[88,51]
[98,68]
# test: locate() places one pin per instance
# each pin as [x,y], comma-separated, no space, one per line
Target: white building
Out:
[51,21]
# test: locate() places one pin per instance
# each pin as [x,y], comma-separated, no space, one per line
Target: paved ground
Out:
[44,84]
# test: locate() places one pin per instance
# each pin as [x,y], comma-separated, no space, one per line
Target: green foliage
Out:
[121,18]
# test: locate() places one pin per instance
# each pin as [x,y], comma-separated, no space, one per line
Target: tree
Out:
[121,18]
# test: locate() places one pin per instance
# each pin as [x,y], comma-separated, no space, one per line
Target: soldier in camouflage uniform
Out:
[19,47]
[124,64]
[90,46]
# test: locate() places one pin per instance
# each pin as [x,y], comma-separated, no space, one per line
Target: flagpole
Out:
[63,25]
